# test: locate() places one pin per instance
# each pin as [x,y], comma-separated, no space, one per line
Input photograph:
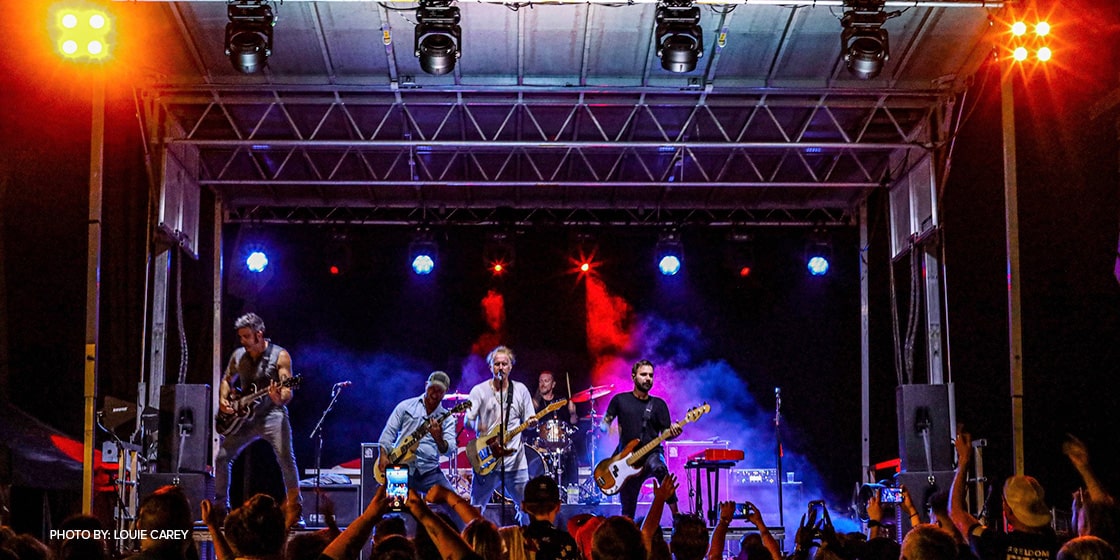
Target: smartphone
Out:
[742,510]
[890,495]
[396,487]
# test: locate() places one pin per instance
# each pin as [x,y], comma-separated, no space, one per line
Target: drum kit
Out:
[546,454]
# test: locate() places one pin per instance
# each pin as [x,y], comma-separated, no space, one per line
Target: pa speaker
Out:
[923,415]
[184,428]
[197,487]
[370,452]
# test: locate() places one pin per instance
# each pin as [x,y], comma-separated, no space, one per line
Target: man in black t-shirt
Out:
[641,417]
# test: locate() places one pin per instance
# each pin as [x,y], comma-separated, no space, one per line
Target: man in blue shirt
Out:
[412,413]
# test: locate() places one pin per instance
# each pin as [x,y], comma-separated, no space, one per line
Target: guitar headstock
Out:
[292,382]
[696,412]
[460,407]
[553,407]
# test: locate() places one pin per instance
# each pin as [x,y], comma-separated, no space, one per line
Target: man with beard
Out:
[641,417]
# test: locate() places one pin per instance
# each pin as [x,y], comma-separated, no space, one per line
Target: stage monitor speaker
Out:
[184,428]
[370,451]
[197,487]
[924,409]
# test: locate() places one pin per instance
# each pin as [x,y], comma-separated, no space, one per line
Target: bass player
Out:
[257,364]
[641,417]
[410,414]
[501,401]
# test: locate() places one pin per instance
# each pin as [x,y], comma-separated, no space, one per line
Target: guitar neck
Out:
[641,452]
[550,408]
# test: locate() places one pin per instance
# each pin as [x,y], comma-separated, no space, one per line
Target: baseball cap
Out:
[1024,496]
[542,490]
[439,378]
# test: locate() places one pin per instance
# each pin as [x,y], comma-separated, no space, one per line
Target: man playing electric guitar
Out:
[501,401]
[641,417]
[258,363]
[409,415]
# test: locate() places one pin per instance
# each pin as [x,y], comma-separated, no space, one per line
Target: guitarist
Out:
[491,402]
[257,364]
[409,414]
[642,417]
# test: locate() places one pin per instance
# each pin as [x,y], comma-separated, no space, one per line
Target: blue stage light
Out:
[669,265]
[818,266]
[257,261]
[423,264]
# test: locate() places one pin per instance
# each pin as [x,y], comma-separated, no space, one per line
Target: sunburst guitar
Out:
[484,451]
[611,472]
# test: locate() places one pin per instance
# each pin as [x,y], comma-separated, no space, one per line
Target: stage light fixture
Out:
[818,257]
[257,261]
[82,34]
[670,254]
[423,254]
[864,43]
[738,254]
[680,40]
[498,253]
[438,36]
[249,34]
[337,255]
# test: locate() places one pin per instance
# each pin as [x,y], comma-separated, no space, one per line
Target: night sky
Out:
[715,337]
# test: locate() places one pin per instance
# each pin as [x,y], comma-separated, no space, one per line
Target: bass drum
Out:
[537,465]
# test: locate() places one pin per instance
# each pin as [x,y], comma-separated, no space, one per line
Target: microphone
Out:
[340,385]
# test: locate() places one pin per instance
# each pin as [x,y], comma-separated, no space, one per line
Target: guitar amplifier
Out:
[370,452]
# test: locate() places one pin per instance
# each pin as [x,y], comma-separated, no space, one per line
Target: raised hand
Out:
[667,488]
[1076,451]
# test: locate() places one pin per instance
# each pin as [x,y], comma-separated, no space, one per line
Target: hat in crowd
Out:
[439,378]
[1024,496]
[542,490]
[582,527]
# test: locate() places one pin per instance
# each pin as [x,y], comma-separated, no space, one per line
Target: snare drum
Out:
[553,436]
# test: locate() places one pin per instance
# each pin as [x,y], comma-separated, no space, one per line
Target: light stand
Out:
[318,432]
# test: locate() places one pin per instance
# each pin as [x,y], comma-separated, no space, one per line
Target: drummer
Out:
[546,394]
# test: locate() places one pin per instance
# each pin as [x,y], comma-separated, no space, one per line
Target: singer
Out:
[258,363]
[501,401]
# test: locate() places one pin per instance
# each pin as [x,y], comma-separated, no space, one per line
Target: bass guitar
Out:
[406,450]
[611,472]
[245,406]
[484,451]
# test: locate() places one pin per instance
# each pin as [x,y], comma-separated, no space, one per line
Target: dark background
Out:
[734,340]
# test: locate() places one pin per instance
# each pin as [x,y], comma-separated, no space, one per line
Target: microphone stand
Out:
[778,451]
[318,432]
[502,432]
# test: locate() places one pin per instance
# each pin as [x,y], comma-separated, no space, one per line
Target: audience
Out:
[1087,548]
[166,509]
[618,538]
[928,542]
[257,529]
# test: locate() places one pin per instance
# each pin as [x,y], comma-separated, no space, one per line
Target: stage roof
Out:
[558,111]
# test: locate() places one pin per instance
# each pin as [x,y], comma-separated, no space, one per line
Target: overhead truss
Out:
[392,154]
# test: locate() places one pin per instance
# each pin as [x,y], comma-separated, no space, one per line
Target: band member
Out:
[258,363]
[642,417]
[409,414]
[547,394]
[501,401]
[548,432]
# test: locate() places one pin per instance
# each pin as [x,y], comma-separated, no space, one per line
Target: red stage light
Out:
[334,270]
[586,266]
[744,272]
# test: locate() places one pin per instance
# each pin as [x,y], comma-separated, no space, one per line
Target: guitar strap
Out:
[645,420]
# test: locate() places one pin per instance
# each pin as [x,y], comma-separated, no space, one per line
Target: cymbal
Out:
[593,393]
[456,397]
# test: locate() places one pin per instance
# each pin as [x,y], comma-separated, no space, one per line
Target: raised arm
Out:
[350,542]
[449,542]
[719,534]
[463,508]
[958,512]
[1078,454]
[768,540]
[661,493]
[210,517]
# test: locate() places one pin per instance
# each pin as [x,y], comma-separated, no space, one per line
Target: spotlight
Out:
[864,42]
[438,36]
[817,257]
[583,247]
[83,34]
[670,254]
[680,41]
[249,34]
[422,254]
[337,255]
[498,253]
[257,261]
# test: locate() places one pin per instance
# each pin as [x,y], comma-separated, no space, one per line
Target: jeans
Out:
[270,425]
[628,494]
[483,486]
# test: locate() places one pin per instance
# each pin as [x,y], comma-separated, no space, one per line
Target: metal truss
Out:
[319,149]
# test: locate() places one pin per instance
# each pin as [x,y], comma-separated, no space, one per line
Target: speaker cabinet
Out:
[185,419]
[370,451]
[197,487]
[924,410]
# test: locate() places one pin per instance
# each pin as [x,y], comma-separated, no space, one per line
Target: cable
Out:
[183,356]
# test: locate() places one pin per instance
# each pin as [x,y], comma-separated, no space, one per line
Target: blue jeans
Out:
[483,486]
[422,482]
[270,425]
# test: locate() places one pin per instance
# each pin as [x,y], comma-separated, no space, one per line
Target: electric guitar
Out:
[406,450]
[611,472]
[244,407]
[484,451]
